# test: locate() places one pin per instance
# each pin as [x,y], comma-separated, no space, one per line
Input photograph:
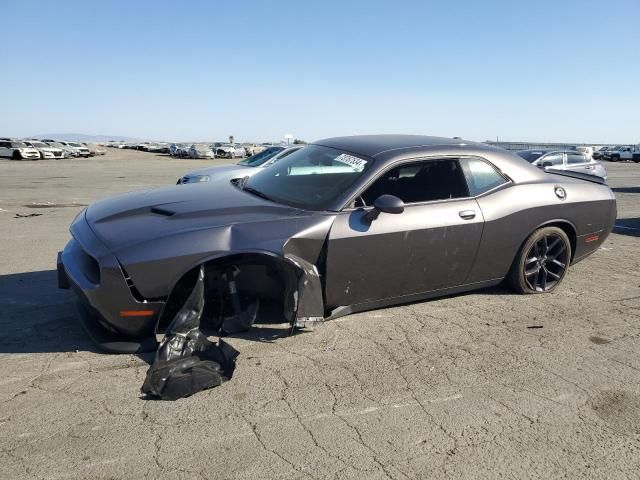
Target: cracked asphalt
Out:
[482,385]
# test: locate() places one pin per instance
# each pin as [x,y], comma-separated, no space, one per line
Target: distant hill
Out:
[81,137]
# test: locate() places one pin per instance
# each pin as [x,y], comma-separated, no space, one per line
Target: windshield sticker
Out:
[356,163]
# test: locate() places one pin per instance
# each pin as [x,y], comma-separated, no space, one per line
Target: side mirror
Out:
[385,204]
[546,164]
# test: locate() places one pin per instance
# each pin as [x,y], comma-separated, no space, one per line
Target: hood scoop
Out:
[162,211]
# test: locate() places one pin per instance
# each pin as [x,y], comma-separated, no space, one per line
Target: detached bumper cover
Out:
[105,300]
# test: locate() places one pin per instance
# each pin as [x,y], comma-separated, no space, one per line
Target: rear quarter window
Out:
[481,176]
[575,158]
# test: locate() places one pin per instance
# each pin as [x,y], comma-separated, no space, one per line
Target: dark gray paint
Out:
[344,264]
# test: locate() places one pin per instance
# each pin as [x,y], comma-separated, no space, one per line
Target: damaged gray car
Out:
[339,226]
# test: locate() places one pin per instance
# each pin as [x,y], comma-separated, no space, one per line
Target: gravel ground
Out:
[483,385]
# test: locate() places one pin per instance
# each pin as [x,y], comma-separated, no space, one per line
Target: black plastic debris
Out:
[186,361]
[240,320]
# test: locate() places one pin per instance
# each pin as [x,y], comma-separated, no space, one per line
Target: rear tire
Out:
[614,158]
[542,262]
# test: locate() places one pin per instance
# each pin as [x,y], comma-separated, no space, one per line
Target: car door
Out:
[429,246]
[4,149]
[578,162]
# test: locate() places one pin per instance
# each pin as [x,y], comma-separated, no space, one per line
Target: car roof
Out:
[375,145]
[390,149]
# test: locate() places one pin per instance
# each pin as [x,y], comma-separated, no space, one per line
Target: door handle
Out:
[588,167]
[467,214]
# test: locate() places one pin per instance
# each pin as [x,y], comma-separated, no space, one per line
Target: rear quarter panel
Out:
[513,213]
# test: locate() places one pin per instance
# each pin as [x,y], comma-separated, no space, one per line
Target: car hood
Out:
[139,217]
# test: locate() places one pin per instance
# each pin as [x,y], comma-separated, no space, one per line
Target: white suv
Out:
[45,150]
[80,149]
[18,151]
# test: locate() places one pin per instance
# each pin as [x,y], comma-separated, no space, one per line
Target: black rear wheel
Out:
[16,155]
[542,262]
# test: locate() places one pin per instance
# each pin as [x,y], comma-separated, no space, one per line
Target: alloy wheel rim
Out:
[546,263]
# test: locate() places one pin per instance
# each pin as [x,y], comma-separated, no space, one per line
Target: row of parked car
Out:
[144,146]
[205,150]
[216,150]
[618,153]
[581,159]
[196,150]
[47,148]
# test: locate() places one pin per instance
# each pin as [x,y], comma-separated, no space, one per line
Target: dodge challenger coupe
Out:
[341,225]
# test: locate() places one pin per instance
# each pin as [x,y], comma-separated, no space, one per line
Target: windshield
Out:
[39,144]
[531,155]
[74,144]
[55,144]
[18,145]
[311,178]
[259,158]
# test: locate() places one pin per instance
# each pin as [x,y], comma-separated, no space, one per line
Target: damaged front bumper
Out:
[107,308]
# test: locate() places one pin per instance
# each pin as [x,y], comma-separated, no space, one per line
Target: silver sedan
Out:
[568,160]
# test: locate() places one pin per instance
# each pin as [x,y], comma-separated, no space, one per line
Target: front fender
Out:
[155,267]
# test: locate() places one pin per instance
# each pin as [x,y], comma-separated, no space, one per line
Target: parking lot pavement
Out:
[480,385]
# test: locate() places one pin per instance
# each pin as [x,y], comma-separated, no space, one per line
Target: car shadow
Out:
[38,317]
[627,226]
[626,189]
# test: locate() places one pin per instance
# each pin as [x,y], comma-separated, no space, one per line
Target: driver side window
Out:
[420,182]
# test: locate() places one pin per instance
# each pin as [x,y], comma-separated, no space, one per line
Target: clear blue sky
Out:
[187,70]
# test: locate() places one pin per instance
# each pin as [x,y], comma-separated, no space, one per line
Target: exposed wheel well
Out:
[268,278]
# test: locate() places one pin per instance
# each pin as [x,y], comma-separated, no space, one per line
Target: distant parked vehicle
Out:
[174,148]
[568,160]
[156,148]
[100,149]
[599,153]
[91,147]
[253,149]
[18,151]
[230,150]
[46,151]
[201,150]
[67,152]
[622,153]
[81,150]
[183,150]
[588,151]
[243,169]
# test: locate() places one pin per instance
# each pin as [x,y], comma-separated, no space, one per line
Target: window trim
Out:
[505,177]
[398,163]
